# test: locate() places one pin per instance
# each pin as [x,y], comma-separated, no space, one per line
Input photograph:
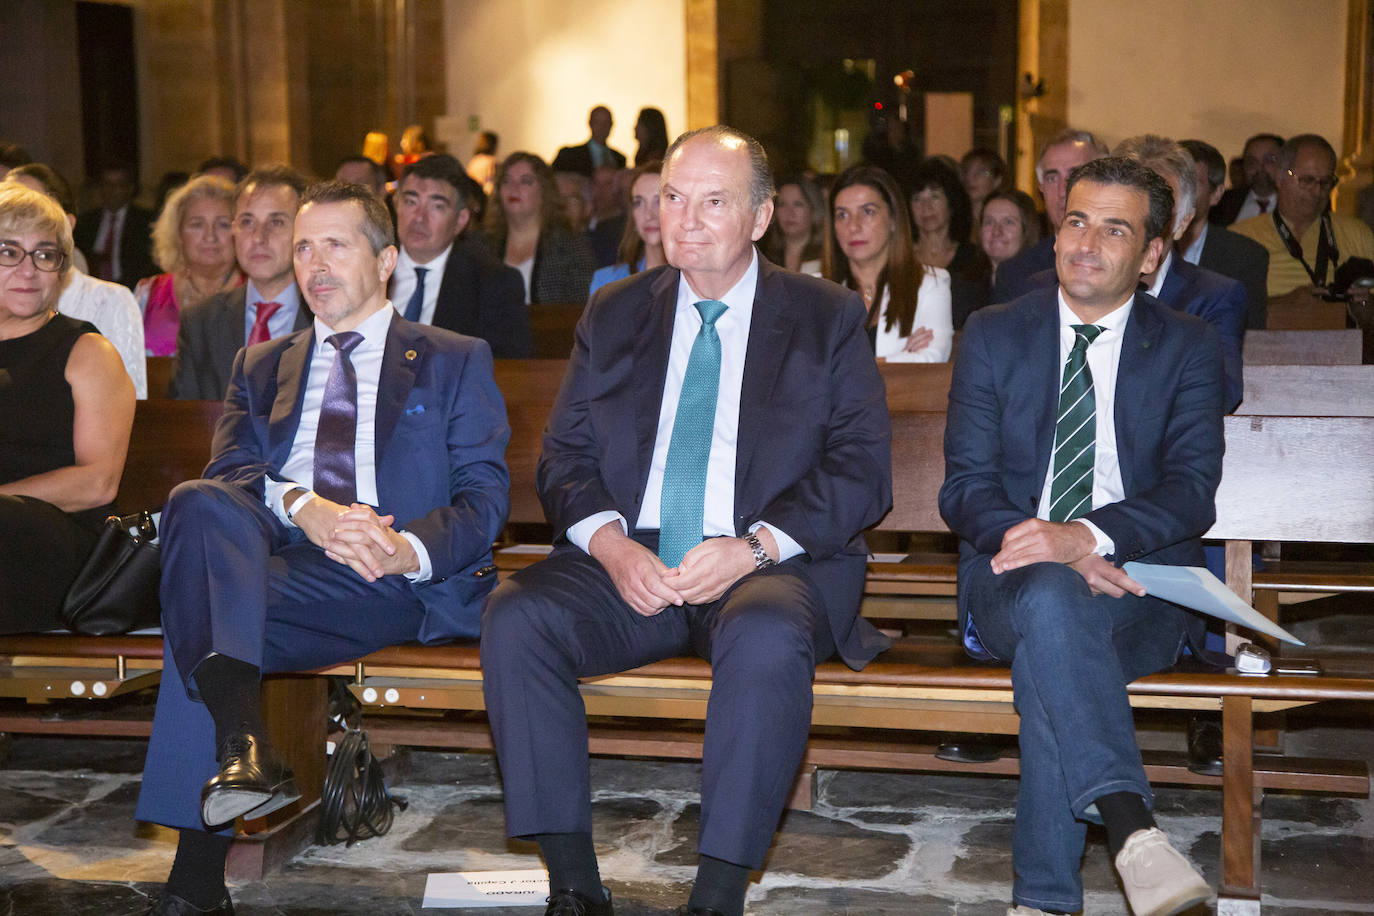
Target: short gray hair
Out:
[1068,135]
[1168,158]
[760,175]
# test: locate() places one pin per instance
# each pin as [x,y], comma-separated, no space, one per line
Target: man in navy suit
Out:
[356,485]
[1084,431]
[757,566]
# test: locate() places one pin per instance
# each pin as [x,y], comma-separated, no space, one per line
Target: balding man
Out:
[720,442]
[1060,155]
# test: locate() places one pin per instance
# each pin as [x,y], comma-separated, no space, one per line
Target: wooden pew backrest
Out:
[1303,348]
[170,443]
[1308,391]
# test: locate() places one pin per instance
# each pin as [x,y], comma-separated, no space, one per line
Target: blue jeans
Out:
[1072,654]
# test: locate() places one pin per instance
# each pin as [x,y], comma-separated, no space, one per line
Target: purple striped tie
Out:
[335,469]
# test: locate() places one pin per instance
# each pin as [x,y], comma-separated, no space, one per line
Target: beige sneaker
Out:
[1158,880]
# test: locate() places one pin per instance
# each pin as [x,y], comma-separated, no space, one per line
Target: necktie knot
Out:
[345,341]
[710,310]
[261,332]
[1085,334]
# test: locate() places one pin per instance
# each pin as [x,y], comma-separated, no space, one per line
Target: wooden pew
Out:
[552,328]
[1303,348]
[1308,391]
[160,372]
[1313,316]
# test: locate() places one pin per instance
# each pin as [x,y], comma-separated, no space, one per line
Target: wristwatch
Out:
[761,557]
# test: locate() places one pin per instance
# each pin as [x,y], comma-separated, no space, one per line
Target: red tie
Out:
[1263,205]
[260,332]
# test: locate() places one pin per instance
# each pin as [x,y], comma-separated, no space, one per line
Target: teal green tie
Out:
[683,501]
[1075,432]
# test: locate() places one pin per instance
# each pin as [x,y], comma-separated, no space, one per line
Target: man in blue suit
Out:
[720,441]
[1084,431]
[356,485]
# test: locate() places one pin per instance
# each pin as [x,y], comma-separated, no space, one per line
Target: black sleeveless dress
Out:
[41,547]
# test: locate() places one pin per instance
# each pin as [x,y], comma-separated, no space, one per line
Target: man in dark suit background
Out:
[356,485]
[211,333]
[586,158]
[1084,431]
[117,238]
[444,279]
[720,441]
[1062,153]
[1217,248]
[1260,162]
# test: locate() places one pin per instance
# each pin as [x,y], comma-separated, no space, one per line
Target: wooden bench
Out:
[1303,348]
[1310,316]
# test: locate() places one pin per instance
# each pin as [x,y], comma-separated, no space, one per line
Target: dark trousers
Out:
[1072,654]
[42,549]
[562,619]
[237,582]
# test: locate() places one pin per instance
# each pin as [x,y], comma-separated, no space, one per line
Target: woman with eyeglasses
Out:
[67,407]
[868,248]
[529,230]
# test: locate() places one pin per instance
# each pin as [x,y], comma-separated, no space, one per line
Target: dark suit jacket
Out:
[135,252]
[813,453]
[579,159]
[1244,259]
[1224,213]
[481,297]
[1013,274]
[209,335]
[605,239]
[1217,300]
[999,432]
[441,441]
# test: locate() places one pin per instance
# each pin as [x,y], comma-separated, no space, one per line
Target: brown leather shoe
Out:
[253,781]
[568,902]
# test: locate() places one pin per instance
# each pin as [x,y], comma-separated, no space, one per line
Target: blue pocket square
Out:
[415,411]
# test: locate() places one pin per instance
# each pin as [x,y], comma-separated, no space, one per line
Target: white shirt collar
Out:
[1193,253]
[740,297]
[1162,273]
[288,297]
[437,263]
[374,329]
[1115,320]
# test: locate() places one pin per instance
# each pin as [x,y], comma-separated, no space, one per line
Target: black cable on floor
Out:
[354,802]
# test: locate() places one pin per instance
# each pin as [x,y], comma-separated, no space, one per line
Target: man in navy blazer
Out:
[261,573]
[796,464]
[1040,586]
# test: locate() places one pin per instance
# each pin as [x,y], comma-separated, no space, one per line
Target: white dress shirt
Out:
[1160,274]
[933,311]
[718,517]
[1193,254]
[115,313]
[1104,355]
[403,283]
[300,463]
[1250,206]
[282,321]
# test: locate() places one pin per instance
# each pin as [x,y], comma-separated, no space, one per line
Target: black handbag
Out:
[116,590]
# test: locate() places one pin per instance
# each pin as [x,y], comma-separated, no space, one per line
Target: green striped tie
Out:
[1075,432]
[682,504]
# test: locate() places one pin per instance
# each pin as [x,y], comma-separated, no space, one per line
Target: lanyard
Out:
[1327,252]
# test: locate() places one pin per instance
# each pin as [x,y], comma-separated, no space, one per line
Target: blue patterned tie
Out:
[417,298]
[683,501]
[1075,432]
[335,465]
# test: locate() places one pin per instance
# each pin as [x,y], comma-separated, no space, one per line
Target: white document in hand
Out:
[1194,587]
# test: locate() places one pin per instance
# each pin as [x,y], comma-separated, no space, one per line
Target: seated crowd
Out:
[358,478]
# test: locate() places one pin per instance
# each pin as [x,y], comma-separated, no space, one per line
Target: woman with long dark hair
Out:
[641,245]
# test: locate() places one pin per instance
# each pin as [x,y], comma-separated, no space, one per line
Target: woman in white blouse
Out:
[868,248]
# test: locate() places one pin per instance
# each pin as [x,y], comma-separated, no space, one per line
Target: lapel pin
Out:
[411,354]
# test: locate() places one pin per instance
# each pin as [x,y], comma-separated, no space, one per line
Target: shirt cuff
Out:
[426,570]
[1105,545]
[581,533]
[787,548]
[272,493]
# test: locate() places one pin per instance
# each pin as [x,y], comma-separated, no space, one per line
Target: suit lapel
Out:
[286,405]
[237,308]
[653,338]
[1139,345]
[1046,371]
[404,352]
[456,306]
[768,338]
[304,316]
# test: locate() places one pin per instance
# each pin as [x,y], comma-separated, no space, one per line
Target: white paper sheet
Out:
[1194,587]
[472,889]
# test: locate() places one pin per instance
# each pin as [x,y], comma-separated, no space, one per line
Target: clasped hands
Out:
[1071,543]
[648,586]
[357,537]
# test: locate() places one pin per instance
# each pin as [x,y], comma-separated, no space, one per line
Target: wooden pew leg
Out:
[294,708]
[1239,893]
[803,797]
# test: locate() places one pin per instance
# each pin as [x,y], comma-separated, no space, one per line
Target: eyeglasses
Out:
[1313,183]
[48,260]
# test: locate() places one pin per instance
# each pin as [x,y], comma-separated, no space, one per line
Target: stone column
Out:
[1044,56]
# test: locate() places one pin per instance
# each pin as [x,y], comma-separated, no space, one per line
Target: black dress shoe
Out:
[685,910]
[172,905]
[568,902]
[969,749]
[1204,746]
[253,781]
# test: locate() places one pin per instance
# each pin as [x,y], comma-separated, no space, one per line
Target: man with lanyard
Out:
[1303,223]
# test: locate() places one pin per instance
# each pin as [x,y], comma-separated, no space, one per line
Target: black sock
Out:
[1123,813]
[571,859]
[232,691]
[198,872]
[720,885]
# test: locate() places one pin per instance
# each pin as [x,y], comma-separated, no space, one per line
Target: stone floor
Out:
[875,844]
